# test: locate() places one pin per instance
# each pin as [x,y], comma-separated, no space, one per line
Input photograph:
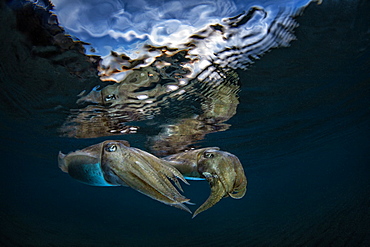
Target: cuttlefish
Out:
[115,163]
[222,170]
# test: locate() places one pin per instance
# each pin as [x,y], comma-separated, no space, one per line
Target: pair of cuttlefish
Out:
[115,163]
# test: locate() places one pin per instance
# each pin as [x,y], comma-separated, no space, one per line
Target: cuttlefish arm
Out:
[116,163]
[222,170]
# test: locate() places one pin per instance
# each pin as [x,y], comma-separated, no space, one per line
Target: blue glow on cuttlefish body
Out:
[193,178]
[90,174]
[84,169]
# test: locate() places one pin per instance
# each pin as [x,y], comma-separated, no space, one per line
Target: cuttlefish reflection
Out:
[115,163]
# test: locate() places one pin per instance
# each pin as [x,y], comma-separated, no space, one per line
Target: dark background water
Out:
[301,132]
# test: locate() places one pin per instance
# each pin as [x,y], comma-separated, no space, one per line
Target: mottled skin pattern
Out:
[222,170]
[116,163]
[122,165]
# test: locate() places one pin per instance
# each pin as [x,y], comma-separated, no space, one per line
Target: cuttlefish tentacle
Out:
[222,170]
[217,193]
[136,182]
[144,173]
[164,168]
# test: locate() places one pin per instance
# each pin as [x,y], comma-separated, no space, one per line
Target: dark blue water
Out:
[301,131]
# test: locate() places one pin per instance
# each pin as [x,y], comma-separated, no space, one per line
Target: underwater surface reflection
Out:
[297,119]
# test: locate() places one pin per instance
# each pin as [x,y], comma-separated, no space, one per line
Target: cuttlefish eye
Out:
[110,148]
[208,155]
[110,97]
